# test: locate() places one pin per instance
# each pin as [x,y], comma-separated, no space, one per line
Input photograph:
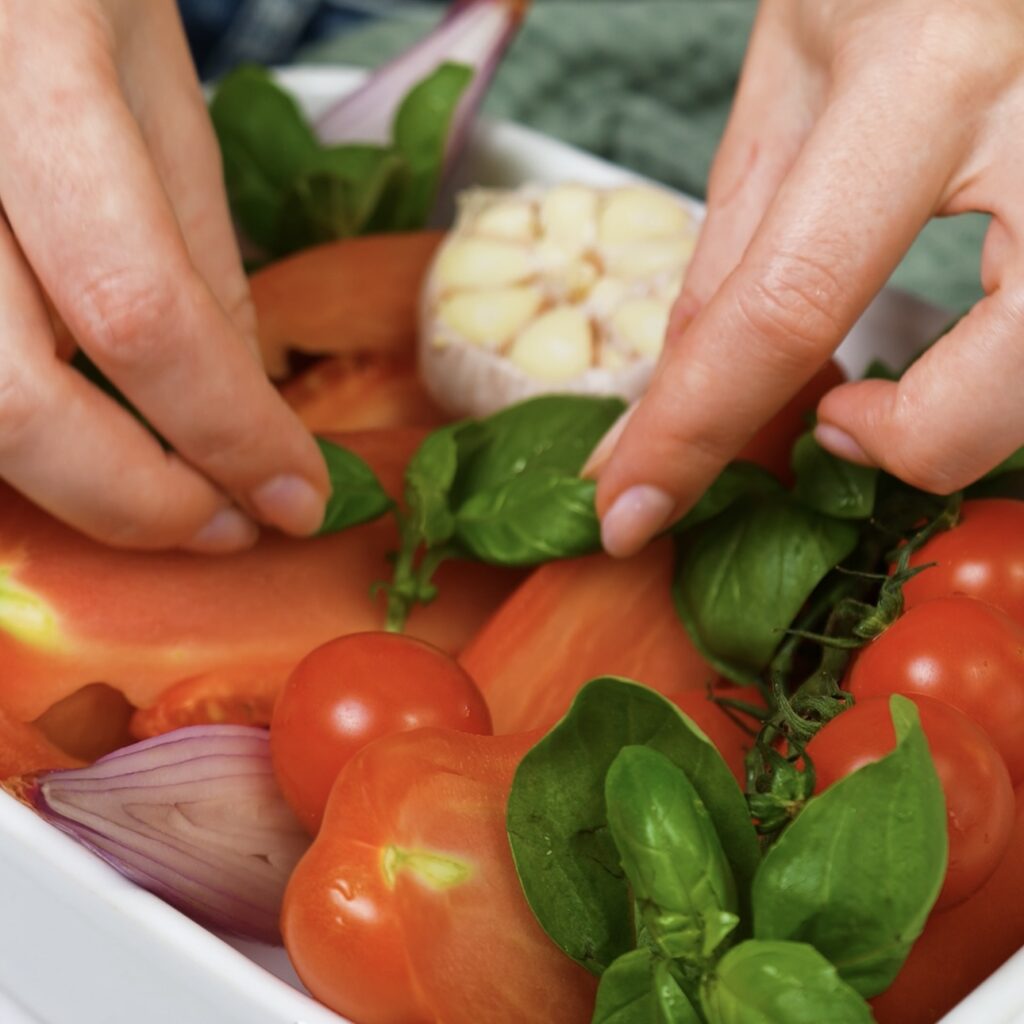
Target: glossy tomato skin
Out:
[381,937]
[980,807]
[355,689]
[962,652]
[982,557]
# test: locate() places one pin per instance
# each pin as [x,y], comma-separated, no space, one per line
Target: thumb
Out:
[955,413]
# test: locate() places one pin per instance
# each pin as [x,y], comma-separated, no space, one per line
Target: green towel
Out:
[648,84]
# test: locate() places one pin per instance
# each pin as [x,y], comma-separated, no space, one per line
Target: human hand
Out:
[111,185]
[854,123]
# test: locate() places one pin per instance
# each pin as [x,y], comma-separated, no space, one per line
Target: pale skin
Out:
[115,210]
[855,122]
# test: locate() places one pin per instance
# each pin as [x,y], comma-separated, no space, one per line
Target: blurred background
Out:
[643,83]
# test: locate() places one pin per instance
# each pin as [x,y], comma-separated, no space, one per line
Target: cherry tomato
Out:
[960,651]
[982,557]
[980,806]
[353,690]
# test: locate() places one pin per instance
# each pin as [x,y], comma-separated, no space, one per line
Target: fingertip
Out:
[841,444]
[228,530]
[634,518]
[291,503]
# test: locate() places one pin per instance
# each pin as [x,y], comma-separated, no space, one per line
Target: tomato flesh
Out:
[355,689]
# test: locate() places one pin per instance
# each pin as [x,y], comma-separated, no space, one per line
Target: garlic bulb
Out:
[564,289]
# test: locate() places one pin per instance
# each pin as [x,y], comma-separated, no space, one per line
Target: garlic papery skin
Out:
[565,289]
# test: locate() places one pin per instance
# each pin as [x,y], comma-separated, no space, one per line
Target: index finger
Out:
[111,256]
[859,193]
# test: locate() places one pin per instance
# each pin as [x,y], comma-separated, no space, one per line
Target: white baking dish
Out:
[80,945]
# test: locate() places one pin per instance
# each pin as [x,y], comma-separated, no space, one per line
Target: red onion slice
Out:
[475,33]
[194,816]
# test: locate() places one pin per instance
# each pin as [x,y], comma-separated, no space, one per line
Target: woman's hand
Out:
[110,180]
[855,122]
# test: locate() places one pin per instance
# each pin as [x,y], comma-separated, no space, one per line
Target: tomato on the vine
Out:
[962,652]
[982,557]
[980,806]
[353,690]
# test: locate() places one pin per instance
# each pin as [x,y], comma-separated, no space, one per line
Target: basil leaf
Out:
[738,480]
[779,983]
[639,989]
[356,493]
[831,485]
[673,859]
[744,575]
[335,196]
[421,137]
[552,432]
[530,519]
[857,872]
[567,861]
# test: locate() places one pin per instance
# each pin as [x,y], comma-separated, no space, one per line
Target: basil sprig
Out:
[637,856]
[288,191]
[504,490]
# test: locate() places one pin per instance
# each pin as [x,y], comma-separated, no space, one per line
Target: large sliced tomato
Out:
[407,908]
[73,612]
[343,298]
[24,749]
[574,620]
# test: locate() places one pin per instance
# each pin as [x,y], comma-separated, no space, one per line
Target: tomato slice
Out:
[574,620]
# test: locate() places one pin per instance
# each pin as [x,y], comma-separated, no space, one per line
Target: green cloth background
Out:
[648,84]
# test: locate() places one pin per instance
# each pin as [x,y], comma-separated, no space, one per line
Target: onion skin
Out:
[194,816]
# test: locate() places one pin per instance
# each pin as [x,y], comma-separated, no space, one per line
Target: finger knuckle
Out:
[125,315]
[794,305]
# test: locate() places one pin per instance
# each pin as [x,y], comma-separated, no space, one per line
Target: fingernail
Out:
[228,530]
[840,443]
[602,453]
[634,518]
[290,503]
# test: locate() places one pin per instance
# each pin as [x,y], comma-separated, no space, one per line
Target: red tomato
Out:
[353,690]
[980,808]
[961,947]
[983,557]
[960,651]
[407,908]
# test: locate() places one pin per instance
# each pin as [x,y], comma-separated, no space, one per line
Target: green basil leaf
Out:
[430,475]
[779,983]
[831,485]
[639,989]
[682,883]
[739,480]
[335,196]
[356,493]
[256,202]
[421,137]
[857,872]
[556,433]
[530,519]
[557,823]
[879,369]
[744,575]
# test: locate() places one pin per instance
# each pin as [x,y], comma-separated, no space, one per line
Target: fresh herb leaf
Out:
[552,432]
[744,575]
[681,882]
[530,519]
[831,485]
[421,136]
[557,822]
[639,989]
[356,493]
[779,983]
[857,872]
[428,480]
[739,480]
